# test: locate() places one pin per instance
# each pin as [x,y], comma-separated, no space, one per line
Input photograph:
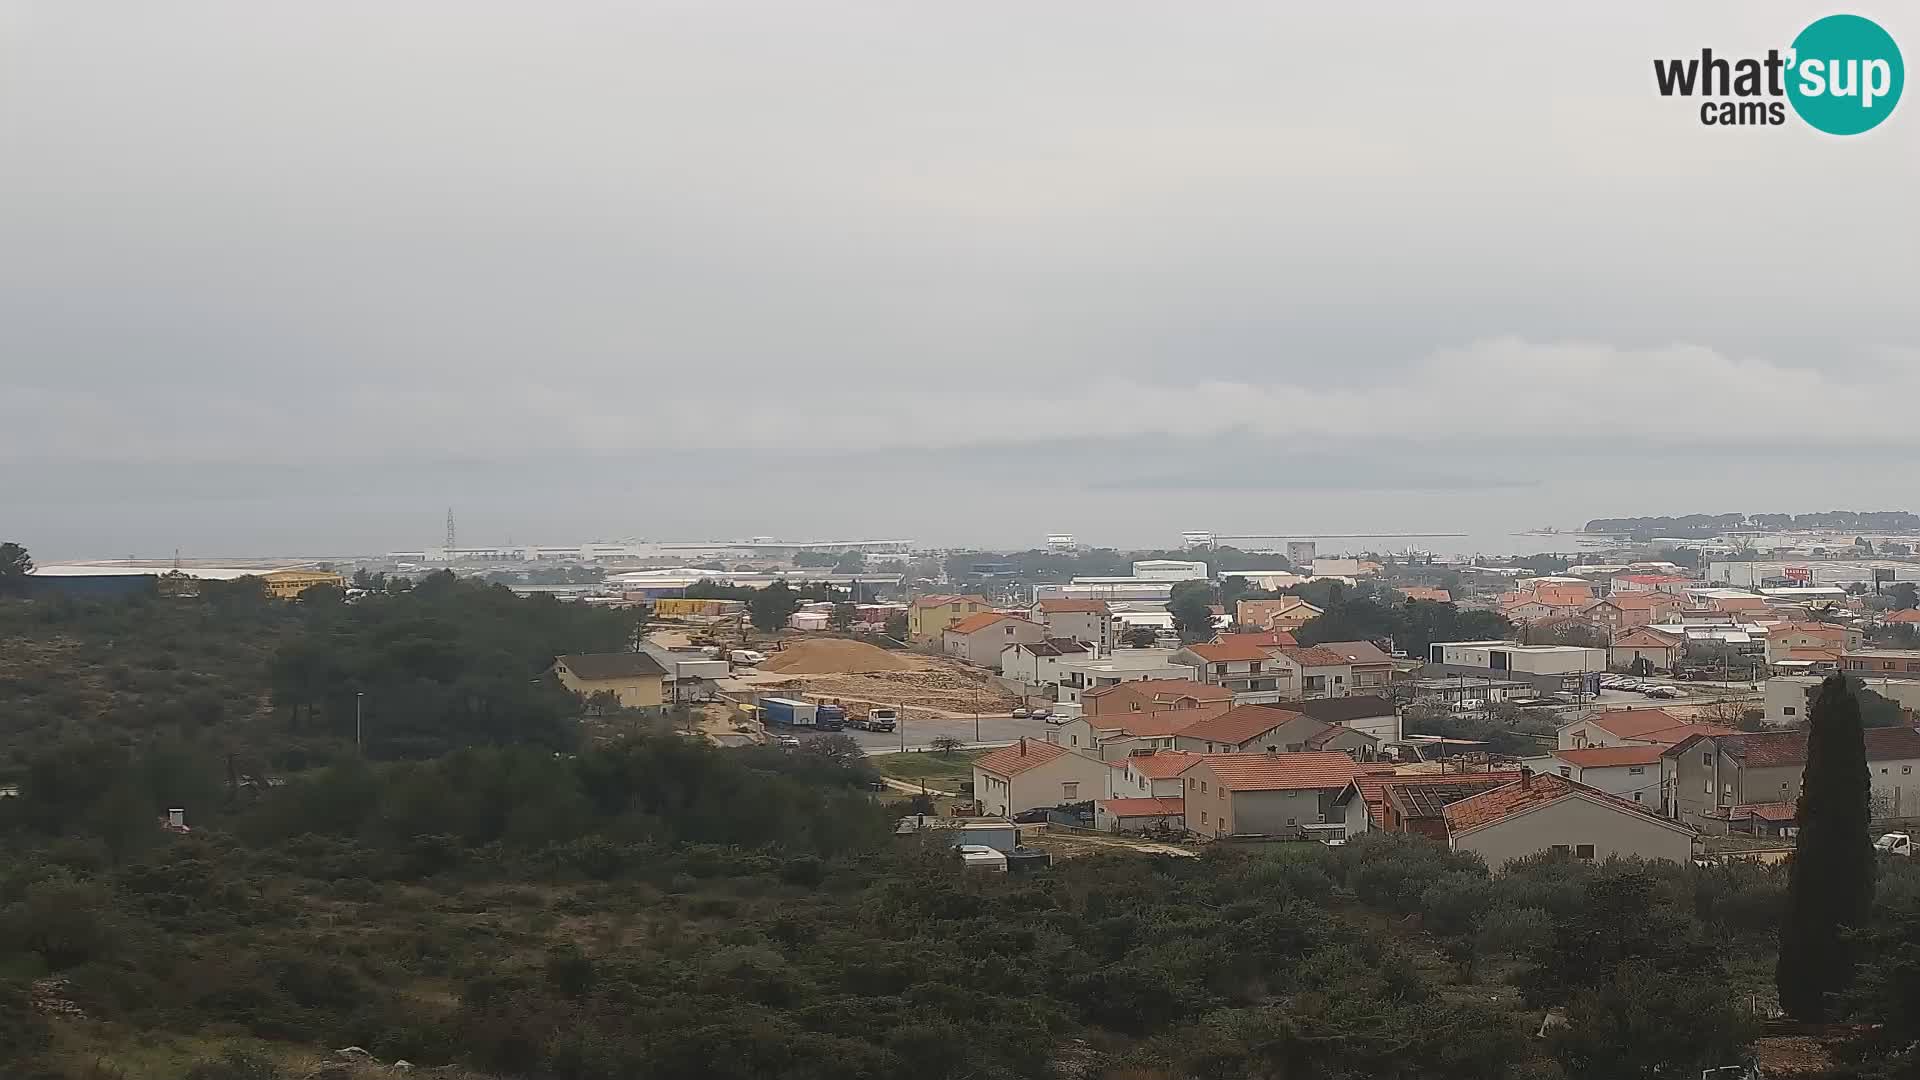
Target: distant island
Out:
[1705,525]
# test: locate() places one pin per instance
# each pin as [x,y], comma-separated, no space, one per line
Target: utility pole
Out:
[359,698]
[976,716]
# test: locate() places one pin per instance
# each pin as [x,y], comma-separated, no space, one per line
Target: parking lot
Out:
[919,734]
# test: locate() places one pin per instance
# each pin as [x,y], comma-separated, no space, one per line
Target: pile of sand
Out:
[834,656]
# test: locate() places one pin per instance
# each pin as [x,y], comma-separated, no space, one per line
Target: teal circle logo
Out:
[1846,75]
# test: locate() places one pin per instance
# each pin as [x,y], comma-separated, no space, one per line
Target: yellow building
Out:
[636,679]
[289,584]
[929,616]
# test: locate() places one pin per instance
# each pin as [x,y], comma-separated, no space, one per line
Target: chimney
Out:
[1526,777]
[1023,746]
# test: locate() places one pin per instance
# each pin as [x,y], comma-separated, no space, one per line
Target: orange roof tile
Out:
[1531,793]
[1057,607]
[1315,656]
[1161,691]
[1160,764]
[1421,592]
[1281,772]
[976,623]
[1013,760]
[1159,723]
[1217,653]
[1149,807]
[1563,595]
[1910,615]
[1263,639]
[1373,786]
[1239,724]
[1641,637]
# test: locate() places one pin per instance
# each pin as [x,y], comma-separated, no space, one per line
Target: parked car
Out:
[1055,719]
[1895,843]
[1041,714]
[1020,712]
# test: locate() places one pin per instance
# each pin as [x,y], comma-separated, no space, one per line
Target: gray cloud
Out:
[291,277]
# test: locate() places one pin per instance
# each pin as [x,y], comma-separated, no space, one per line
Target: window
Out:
[1906,770]
[1706,759]
[1339,679]
[1566,772]
[1221,794]
[1636,796]
[1584,851]
[1203,787]
[1789,710]
[1708,789]
[1069,791]
[1203,817]
[1561,849]
[1219,669]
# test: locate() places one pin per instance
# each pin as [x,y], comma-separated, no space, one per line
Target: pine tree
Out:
[1831,884]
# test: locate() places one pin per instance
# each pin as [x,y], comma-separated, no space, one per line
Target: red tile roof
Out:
[1162,691]
[1357,652]
[1161,722]
[976,623]
[1013,760]
[1237,725]
[1823,629]
[1160,764]
[1150,807]
[1563,595]
[1281,772]
[943,599]
[1532,793]
[1775,749]
[1911,615]
[1603,757]
[1264,639]
[1765,811]
[1315,656]
[1220,653]
[1058,607]
[1421,592]
[1642,638]
[1373,787]
[1650,725]
[1638,600]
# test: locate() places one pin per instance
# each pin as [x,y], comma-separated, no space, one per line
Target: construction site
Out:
[840,669]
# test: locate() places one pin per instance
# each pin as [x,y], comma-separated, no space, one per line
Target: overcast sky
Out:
[294,278]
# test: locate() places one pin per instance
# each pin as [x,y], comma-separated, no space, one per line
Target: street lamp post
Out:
[359,699]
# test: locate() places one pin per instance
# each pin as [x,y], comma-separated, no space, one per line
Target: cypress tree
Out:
[1830,887]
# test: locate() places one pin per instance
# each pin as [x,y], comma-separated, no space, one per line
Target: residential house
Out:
[636,679]
[1032,774]
[1150,772]
[1114,736]
[929,616]
[1552,813]
[1037,663]
[1264,794]
[1905,617]
[980,639]
[1631,772]
[1372,669]
[1810,641]
[1324,672]
[1249,672]
[1421,592]
[1621,612]
[1882,663]
[1388,802]
[1368,713]
[1632,727]
[1084,674]
[1660,650]
[1287,613]
[1150,814]
[1153,695]
[1089,622]
[1708,775]
[1253,728]
[1787,696]
[1265,639]
[1770,819]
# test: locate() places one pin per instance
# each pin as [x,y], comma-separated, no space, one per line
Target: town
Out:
[1635,701]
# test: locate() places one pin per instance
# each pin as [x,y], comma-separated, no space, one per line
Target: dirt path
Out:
[911,788]
[1069,844]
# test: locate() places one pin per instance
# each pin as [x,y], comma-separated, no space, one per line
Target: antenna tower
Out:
[450,544]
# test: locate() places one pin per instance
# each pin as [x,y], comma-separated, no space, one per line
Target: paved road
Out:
[920,733]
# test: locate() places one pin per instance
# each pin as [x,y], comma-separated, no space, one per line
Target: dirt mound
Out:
[834,656]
